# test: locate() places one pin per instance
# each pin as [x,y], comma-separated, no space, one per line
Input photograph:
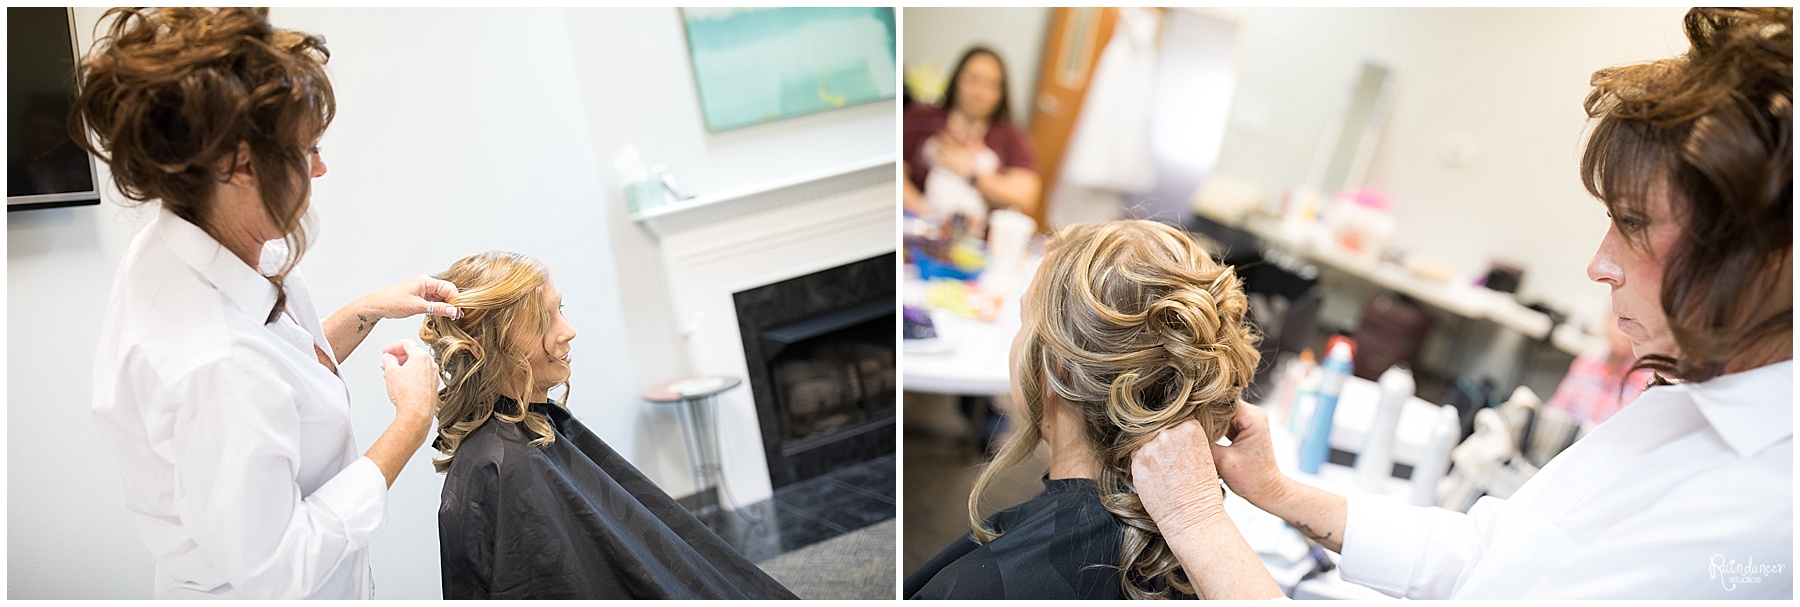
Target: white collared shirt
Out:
[1686,493]
[234,441]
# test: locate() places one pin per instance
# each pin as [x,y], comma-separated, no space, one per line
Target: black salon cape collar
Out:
[1061,545]
[573,519]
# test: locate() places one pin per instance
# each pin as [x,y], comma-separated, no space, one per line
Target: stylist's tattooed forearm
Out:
[1307,531]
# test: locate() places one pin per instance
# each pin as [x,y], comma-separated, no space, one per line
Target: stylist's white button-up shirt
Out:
[1686,493]
[233,440]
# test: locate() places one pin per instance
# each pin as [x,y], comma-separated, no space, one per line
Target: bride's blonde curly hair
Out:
[484,354]
[1137,329]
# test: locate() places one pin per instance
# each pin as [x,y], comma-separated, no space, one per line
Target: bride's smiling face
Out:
[550,359]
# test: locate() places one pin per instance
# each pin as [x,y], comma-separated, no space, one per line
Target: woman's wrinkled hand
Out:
[1248,463]
[417,295]
[1175,477]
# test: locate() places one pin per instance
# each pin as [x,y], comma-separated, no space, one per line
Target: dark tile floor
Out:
[809,511]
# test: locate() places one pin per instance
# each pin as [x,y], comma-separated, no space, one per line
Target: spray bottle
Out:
[1336,367]
[1305,401]
[1445,431]
[1375,462]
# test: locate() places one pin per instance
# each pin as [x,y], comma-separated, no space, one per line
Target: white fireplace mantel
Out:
[750,199]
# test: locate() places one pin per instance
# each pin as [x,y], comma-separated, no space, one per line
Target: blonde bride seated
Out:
[534,504]
[1128,327]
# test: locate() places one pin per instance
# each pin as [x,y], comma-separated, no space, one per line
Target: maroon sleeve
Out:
[1013,146]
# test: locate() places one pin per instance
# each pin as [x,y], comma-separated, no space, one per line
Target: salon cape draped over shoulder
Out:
[573,519]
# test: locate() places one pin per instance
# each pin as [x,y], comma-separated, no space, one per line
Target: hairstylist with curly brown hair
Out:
[216,384]
[1688,492]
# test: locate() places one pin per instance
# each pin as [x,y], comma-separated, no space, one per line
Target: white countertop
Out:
[971,356]
[1464,300]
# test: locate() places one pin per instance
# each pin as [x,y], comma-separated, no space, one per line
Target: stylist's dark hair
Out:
[169,94]
[1715,127]
[1003,110]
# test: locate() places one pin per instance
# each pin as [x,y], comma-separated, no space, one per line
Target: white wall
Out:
[637,88]
[458,131]
[942,35]
[1510,80]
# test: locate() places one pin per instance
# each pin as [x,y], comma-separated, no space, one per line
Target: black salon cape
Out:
[1048,549]
[575,520]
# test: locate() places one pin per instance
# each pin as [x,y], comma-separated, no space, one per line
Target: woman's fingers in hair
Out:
[439,309]
[417,295]
[1178,455]
[434,292]
[434,289]
[1248,464]
[1247,422]
[1174,475]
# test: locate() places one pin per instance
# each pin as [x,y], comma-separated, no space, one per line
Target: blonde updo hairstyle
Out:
[1136,329]
[484,355]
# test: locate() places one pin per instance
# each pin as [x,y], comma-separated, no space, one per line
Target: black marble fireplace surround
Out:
[820,352]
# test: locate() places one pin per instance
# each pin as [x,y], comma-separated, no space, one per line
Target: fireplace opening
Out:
[831,378]
[820,352]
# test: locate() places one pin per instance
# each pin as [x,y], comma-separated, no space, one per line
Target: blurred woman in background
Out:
[967,157]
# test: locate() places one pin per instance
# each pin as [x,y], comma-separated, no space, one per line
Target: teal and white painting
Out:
[756,65]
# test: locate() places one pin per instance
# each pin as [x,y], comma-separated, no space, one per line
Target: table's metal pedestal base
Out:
[697,404]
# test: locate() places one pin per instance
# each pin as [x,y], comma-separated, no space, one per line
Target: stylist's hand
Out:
[411,297]
[1248,464]
[412,379]
[1175,478]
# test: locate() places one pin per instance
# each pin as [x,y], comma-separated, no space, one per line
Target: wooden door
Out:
[1071,46]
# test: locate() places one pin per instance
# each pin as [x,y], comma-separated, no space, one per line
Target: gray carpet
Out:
[855,565]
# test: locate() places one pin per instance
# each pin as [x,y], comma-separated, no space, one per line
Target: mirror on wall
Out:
[1341,161]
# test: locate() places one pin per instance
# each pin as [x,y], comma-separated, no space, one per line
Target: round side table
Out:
[696,401]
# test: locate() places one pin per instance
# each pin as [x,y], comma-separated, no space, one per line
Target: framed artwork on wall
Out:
[757,65]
